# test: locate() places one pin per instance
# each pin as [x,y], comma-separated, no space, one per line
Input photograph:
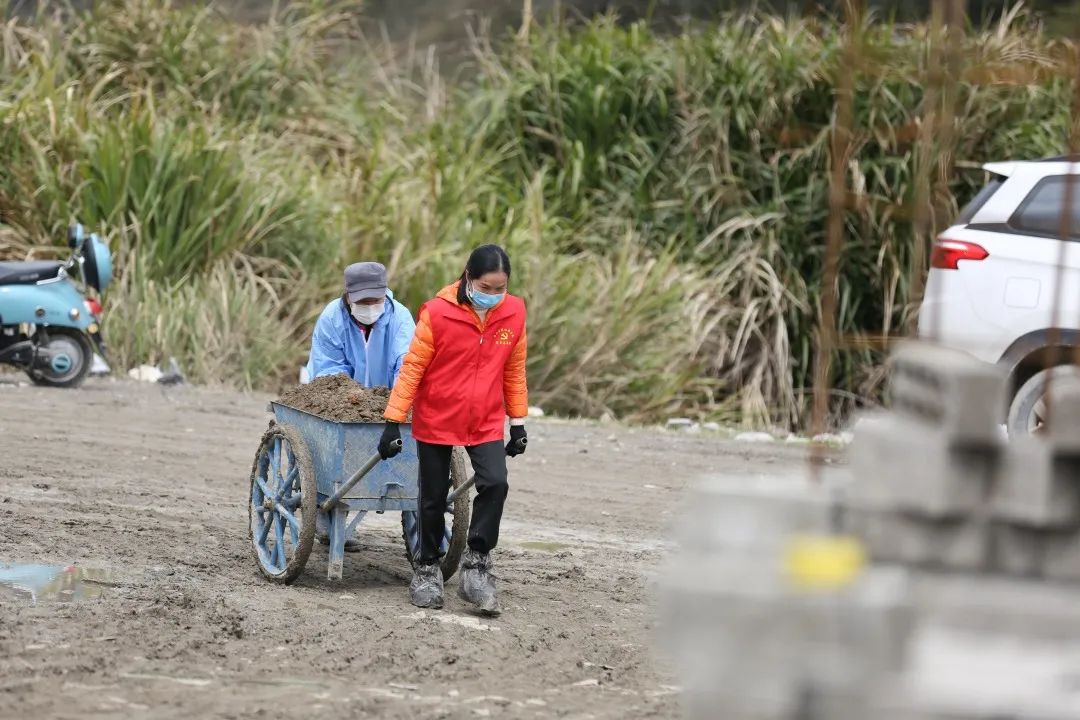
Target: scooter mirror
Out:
[75,236]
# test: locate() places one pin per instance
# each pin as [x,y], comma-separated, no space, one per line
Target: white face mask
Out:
[367,314]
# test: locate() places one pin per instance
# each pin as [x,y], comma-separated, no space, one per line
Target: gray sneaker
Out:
[477,584]
[426,588]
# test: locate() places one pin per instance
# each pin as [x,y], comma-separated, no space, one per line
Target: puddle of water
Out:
[52,583]
[551,547]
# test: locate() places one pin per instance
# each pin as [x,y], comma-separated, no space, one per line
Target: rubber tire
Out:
[459,530]
[79,377]
[308,506]
[1031,392]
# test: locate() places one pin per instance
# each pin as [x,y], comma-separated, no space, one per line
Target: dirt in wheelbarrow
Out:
[148,488]
[339,398]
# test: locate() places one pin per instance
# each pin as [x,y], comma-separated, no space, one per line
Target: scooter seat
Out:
[29,272]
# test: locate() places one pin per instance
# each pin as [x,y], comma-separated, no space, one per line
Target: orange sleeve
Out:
[515,389]
[421,351]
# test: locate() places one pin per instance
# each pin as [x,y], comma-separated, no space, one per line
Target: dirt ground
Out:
[149,485]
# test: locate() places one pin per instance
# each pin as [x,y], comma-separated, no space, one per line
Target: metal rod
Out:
[334,499]
[472,481]
[464,488]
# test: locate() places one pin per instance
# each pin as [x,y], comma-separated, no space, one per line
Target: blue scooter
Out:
[50,327]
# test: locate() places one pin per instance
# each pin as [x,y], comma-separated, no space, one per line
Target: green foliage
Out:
[664,197]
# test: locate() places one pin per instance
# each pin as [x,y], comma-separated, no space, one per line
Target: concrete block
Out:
[748,514]
[1017,550]
[1064,412]
[1036,486]
[951,391]
[869,453]
[991,676]
[904,537]
[746,649]
[1061,557]
[900,462]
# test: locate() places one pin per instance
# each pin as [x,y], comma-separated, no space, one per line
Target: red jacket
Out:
[463,376]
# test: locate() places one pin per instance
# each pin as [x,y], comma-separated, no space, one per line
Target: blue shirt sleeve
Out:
[327,349]
[405,328]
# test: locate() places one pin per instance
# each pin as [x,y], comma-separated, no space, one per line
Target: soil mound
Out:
[338,398]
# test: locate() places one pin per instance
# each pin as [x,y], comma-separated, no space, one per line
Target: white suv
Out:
[994,277]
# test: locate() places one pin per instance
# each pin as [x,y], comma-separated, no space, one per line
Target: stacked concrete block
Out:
[924,471]
[905,537]
[1037,498]
[749,644]
[935,485]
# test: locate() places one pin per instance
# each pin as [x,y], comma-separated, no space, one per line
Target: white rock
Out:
[591,682]
[145,373]
[754,437]
[679,423]
[833,439]
[711,426]
[535,412]
[468,622]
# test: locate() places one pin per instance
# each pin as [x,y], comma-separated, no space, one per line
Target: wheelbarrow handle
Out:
[357,476]
[464,487]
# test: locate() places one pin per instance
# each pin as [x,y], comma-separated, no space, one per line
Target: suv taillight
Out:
[947,253]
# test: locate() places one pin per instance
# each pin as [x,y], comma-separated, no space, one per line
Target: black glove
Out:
[387,447]
[518,438]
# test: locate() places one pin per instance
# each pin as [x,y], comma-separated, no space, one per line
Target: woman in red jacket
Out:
[463,376]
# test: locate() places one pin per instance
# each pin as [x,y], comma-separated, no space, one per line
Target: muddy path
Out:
[148,485]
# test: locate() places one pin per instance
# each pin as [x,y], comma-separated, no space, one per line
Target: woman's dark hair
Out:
[484,259]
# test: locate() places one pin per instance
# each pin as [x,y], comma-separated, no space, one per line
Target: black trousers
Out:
[489,464]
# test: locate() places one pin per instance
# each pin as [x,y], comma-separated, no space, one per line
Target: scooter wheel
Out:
[68,356]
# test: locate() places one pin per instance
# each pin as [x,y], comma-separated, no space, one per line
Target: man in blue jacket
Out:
[365,334]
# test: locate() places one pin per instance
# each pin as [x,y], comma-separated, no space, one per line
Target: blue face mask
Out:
[483,300]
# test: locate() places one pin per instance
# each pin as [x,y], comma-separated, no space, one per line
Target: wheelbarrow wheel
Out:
[282,505]
[457,521]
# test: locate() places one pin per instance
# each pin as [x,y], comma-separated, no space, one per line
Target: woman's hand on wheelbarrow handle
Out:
[390,443]
[518,440]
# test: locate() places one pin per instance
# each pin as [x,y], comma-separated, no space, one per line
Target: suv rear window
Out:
[977,202]
[1040,213]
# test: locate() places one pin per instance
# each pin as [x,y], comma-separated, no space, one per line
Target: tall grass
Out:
[663,196]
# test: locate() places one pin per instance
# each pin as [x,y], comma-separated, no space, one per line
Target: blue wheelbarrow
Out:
[308,466]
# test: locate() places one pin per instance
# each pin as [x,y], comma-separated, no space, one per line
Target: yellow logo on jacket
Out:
[504,336]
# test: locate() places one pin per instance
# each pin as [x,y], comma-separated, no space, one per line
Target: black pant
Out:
[489,464]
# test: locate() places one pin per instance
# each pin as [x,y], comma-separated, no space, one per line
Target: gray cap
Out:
[365,280]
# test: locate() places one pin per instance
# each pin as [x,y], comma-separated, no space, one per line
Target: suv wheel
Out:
[1027,411]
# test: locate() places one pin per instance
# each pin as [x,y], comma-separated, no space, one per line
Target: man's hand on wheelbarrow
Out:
[388,448]
[518,440]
